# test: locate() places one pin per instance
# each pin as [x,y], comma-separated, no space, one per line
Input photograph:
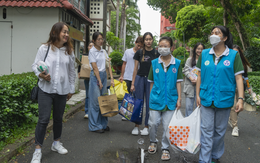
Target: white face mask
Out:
[214,40]
[164,51]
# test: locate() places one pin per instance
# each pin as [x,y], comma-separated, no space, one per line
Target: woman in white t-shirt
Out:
[97,84]
[129,63]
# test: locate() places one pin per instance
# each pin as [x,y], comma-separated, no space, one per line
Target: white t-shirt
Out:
[130,64]
[98,57]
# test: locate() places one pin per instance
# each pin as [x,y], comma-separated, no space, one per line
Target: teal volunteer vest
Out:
[164,91]
[218,82]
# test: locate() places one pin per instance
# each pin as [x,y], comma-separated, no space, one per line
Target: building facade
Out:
[25,25]
[166,26]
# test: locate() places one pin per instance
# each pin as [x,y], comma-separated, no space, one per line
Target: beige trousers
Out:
[233,113]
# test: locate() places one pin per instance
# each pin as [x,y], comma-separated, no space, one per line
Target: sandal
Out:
[107,129]
[166,155]
[152,148]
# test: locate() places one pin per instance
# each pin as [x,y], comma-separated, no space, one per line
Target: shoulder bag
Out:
[34,92]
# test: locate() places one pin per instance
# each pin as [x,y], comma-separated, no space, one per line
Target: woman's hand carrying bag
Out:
[34,92]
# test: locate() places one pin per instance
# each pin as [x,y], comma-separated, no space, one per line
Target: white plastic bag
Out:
[184,133]
[41,66]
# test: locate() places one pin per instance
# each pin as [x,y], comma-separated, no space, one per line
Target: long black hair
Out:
[226,33]
[144,36]
[243,58]
[193,59]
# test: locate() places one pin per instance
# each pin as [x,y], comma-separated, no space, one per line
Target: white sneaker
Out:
[230,124]
[145,131]
[135,131]
[86,116]
[124,119]
[235,131]
[59,148]
[37,156]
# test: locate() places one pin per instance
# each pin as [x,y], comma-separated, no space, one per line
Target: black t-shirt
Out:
[145,60]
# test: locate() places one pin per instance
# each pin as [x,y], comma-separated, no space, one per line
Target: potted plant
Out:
[251,101]
[116,61]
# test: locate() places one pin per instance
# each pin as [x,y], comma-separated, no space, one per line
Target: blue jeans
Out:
[86,82]
[96,120]
[142,87]
[190,104]
[213,128]
[154,122]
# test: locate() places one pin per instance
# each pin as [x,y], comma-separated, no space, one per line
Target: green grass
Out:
[19,134]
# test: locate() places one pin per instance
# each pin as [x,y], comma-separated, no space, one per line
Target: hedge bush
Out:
[254,73]
[116,58]
[254,83]
[16,109]
[252,54]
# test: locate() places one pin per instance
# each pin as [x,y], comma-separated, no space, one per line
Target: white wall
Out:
[31,27]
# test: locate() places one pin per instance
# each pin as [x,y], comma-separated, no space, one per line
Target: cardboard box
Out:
[85,68]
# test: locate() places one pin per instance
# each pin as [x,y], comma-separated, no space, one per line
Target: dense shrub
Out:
[16,109]
[116,58]
[254,73]
[179,54]
[254,83]
[252,54]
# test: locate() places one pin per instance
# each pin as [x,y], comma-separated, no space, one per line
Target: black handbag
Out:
[34,92]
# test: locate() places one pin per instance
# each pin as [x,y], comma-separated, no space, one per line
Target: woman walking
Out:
[98,60]
[129,63]
[140,84]
[54,88]
[220,72]
[189,71]
[86,82]
[233,114]
[165,94]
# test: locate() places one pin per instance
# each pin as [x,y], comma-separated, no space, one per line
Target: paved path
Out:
[119,146]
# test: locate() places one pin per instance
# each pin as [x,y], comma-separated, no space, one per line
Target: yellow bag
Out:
[120,88]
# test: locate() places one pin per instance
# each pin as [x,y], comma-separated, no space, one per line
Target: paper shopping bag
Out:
[85,68]
[184,133]
[108,105]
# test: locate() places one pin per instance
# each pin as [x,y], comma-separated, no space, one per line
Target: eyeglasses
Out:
[100,39]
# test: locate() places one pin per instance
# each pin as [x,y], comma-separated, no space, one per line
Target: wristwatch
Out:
[241,98]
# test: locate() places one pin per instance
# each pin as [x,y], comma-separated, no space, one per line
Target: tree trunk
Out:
[122,23]
[238,24]
[117,16]
[225,18]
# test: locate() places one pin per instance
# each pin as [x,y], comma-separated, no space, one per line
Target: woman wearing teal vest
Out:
[220,72]
[165,79]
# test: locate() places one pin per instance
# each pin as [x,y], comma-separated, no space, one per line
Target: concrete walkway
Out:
[119,146]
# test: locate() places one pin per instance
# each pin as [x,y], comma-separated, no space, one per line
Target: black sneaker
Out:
[215,161]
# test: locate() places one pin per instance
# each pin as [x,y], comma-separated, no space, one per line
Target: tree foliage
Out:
[112,40]
[132,27]
[252,54]
[242,17]
[191,20]
[170,8]
[132,19]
